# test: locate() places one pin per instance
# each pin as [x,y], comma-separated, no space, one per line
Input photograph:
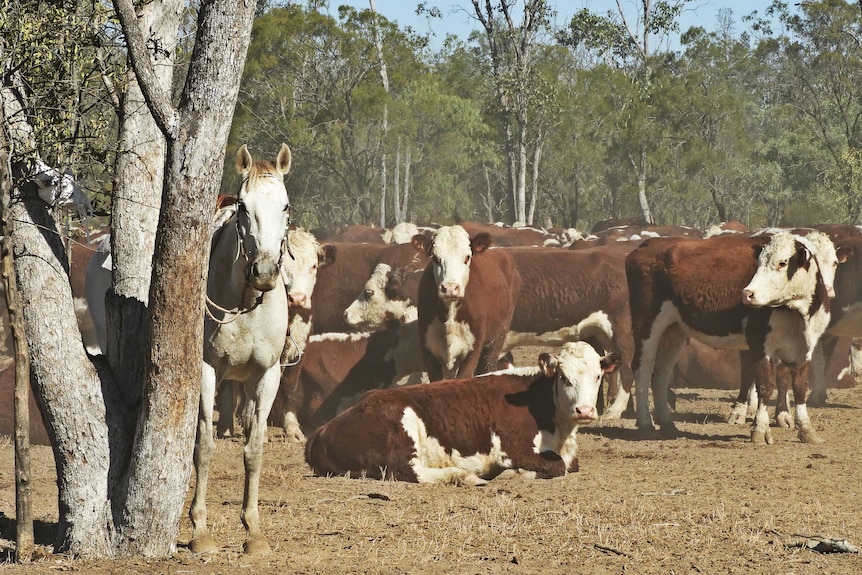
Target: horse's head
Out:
[261,216]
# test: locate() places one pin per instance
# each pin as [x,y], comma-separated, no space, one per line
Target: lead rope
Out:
[299,352]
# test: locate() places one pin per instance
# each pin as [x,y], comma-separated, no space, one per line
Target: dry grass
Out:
[708,502]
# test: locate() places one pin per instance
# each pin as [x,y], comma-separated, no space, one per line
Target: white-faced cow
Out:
[339,367]
[681,288]
[468,430]
[466,299]
[299,274]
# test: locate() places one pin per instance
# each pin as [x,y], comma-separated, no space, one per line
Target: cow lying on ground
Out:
[680,288]
[466,299]
[337,368]
[468,430]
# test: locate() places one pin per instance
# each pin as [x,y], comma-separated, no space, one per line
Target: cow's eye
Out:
[467,259]
[782,264]
[369,294]
[565,381]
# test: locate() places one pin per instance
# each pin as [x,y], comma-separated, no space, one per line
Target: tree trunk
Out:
[402,217]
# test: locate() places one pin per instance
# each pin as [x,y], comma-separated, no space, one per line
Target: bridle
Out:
[233,314]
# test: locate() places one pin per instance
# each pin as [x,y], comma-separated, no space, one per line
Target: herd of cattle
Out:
[449,302]
[372,312]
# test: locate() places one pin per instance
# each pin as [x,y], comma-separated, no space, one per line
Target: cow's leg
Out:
[202,541]
[784,379]
[668,351]
[805,432]
[742,407]
[764,378]
[824,349]
[259,400]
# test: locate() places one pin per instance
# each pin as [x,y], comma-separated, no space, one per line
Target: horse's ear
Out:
[282,162]
[243,160]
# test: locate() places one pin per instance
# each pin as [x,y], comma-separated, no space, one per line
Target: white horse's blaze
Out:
[432,463]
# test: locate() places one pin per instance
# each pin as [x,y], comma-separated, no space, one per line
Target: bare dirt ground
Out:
[707,502]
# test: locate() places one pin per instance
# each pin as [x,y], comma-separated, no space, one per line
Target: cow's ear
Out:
[844,254]
[480,242]
[394,279]
[756,249]
[422,243]
[610,362]
[326,254]
[803,256]
[548,364]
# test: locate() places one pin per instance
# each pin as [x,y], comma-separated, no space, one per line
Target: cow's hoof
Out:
[669,431]
[816,400]
[759,437]
[784,419]
[612,414]
[807,435]
[256,546]
[474,480]
[737,414]
[203,544]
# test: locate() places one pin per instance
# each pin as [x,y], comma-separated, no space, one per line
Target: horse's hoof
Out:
[203,544]
[256,546]
[807,435]
[784,419]
[761,437]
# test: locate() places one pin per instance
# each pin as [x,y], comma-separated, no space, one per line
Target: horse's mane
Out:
[261,168]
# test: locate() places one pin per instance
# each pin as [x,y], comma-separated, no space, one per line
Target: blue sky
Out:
[457,13]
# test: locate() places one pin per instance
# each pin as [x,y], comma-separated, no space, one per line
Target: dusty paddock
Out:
[707,502]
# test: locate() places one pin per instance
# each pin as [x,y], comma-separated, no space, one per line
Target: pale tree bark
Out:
[378,42]
[402,214]
[23,492]
[123,467]
[511,51]
[534,182]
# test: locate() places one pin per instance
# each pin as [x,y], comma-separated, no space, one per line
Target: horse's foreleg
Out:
[258,404]
[202,541]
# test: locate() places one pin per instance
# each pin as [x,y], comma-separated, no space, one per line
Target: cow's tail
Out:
[598,326]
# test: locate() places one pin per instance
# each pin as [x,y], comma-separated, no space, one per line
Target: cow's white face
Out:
[300,272]
[373,308]
[787,270]
[451,255]
[577,373]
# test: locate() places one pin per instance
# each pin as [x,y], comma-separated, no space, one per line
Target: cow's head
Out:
[299,272]
[381,302]
[577,373]
[451,252]
[791,268]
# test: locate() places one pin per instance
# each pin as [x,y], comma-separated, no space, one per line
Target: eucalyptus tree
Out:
[511,61]
[123,439]
[627,45]
[821,76]
[314,81]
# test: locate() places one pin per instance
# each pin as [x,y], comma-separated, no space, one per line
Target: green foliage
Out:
[62,49]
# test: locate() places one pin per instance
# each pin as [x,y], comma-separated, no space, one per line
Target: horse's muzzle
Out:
[263,275]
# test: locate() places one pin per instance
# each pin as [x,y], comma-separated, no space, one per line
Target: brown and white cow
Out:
[339,283]
[468,430]
[681,288]
[466,299]
[299,272]
[337,368]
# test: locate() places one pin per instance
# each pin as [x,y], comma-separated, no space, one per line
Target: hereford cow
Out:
[339,283]
[299,272]
[337,368]
[466,299]
[468,430]
[680,288]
